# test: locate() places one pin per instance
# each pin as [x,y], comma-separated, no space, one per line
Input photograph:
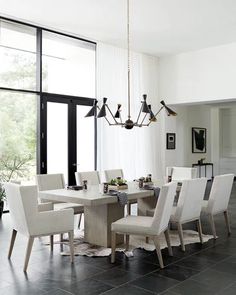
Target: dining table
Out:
[100,209]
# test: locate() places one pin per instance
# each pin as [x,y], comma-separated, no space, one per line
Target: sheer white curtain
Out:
[136,151]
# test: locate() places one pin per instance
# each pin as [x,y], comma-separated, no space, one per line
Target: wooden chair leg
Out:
[51,242]
[113,246]
[199,229]
[127,242]
[167,236]
[28,252]
[80,217]
[181,236]
[147,240]
[213,226]
[13,237]
[71,240]
[226,215]
[158,250]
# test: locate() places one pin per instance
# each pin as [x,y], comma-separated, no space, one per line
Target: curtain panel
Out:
[138,151]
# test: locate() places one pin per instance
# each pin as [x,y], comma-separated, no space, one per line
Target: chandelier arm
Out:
[156,115]
[121,119]
[128,57]
[139,114]
[149,123]
[111,114]
[143,119]
[139,125]
[104,117]
[159,111]
[117,124]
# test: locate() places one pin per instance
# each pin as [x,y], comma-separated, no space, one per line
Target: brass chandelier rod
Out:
[145,108]
[128,57]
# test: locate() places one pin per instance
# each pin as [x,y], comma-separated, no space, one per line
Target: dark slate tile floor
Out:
[202,269]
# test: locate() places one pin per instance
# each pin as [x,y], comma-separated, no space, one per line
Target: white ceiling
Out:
[158,27]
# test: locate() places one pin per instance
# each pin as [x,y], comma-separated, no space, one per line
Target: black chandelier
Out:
[145,108]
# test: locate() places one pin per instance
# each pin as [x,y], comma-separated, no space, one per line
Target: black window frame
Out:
[41,153]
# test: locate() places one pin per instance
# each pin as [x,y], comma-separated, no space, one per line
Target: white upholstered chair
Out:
[28,220]
[91,176]
[114,173]
[56,181]
[219,200]
[181,173]
[148,226]
[189,206]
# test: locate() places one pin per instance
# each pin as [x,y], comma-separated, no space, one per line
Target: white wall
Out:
[227,140]
[198,76]
[188,117]
[206,75]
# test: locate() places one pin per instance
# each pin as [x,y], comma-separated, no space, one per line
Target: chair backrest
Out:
[190,199]
[23,206]
[183,173]
[220,193]
[164,206]
[114,173]
[91,176]
[50,181]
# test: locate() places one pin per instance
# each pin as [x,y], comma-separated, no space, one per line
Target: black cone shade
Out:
[152,117]
[145,108]
[92,111]
[169,111]
[117,114]
[102,112]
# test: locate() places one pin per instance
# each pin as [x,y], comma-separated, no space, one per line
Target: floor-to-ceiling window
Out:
[34,64]
[68,65]
[68,71]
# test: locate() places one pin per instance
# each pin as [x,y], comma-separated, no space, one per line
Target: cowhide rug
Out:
[83,248]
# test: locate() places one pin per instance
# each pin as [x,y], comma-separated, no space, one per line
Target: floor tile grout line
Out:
[200,271]
[117,287]
[172,287]
[174,293]
[127,283]
[63,291]
[211,268]
[226,288]
[130,282]
[191,277]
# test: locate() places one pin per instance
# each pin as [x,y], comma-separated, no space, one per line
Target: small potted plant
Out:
[118,183]
[2,198]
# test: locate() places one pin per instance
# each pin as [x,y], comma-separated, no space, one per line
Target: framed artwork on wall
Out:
[170,141]
[199,140]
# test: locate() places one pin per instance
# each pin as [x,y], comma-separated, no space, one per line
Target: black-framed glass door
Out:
[67,138]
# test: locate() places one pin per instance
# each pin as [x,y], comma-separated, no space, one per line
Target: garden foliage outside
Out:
[17,121]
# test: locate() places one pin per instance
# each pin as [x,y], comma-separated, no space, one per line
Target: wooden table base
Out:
[98,220]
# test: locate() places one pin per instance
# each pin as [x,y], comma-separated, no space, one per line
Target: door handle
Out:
[75,164]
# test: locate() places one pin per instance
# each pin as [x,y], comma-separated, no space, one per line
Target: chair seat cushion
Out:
[134,225]
[78,208]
